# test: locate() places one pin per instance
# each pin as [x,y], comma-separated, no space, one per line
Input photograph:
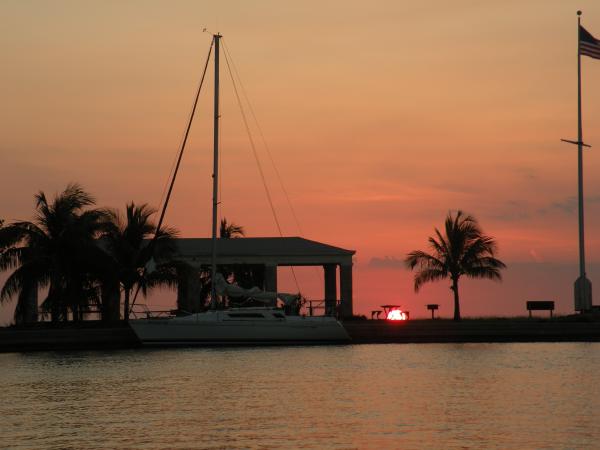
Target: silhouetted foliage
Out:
[141,259]
[58,251]
[230,230]
[244,275]
[463,249]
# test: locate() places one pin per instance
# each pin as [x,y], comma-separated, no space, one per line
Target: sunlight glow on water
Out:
[368,396]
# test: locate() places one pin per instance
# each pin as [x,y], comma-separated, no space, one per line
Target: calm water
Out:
[368,396]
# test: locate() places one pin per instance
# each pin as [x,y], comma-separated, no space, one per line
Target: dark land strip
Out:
[95,335]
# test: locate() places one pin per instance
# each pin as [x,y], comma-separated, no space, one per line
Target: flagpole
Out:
[583,284]
[583,287]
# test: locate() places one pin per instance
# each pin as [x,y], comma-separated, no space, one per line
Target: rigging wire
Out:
[185,138]
[255,153]
[253,147]
[176,170]
[264,141]
[320,275]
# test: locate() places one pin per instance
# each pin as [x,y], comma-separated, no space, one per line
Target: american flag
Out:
[588,44]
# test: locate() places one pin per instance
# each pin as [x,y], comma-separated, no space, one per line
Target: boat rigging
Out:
[223,326]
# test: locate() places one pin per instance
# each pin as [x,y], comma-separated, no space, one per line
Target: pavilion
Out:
[271,252]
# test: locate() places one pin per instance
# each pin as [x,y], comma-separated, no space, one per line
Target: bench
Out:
[540,306]
[376,313]
[433,307]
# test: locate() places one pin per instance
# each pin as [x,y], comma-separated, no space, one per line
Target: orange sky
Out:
[381,117]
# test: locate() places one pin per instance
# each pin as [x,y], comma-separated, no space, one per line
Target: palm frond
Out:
[427,275]
[423,260]
[491,273]
[429,267]
[11,258]
[12,286]
[75,197]
[443,243]
[163,276]
[18,233]
[23,276]
[230,230]
[437,246]
[167,233]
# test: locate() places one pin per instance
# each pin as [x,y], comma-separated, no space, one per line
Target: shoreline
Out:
[98,336]
[473,330]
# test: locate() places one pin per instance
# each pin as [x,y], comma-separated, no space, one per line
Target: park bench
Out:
[540,306]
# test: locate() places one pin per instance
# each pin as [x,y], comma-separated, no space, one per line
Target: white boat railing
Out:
[141,311]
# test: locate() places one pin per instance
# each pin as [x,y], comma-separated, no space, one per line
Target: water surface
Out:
[368,396]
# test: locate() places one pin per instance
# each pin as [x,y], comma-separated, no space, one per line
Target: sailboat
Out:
[243,325]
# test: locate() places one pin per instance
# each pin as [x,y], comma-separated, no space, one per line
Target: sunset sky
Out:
[381,117]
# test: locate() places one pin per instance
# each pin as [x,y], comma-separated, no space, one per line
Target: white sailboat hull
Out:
[239,328]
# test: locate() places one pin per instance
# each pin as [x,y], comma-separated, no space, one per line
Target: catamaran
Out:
[254,325]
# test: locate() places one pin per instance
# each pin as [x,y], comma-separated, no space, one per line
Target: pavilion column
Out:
[189,291]
[346,290]
[271,278]
[330,288]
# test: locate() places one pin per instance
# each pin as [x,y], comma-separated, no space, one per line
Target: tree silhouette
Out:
[56,250]
[142,260]
[230,230]
[463,249]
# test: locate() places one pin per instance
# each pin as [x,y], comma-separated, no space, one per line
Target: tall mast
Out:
[213,272]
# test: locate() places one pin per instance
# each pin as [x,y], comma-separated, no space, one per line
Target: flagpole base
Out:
[583,294]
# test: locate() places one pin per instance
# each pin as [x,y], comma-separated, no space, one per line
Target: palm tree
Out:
[57,250]
[230,230]
[244,275]
[227,230]
[462,250]
[135,247]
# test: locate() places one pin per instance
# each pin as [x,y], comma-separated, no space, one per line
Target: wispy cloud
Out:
[568,205]
[387,262]
[510,211]
[458,188]
[528,173]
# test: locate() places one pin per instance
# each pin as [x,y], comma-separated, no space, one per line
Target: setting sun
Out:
[396,314]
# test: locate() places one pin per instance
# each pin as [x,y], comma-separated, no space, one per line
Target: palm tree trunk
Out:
[28,299]
[64,311]
[111,301]
[126,306]
[54,313]
[54,305]
[456,301]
